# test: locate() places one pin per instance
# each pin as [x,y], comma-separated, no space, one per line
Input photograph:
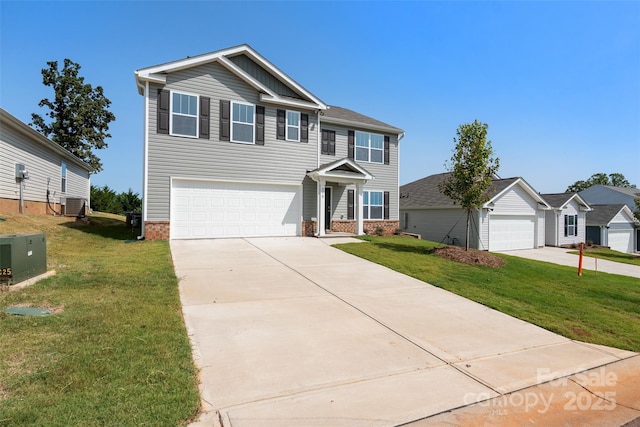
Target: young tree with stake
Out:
[472,168]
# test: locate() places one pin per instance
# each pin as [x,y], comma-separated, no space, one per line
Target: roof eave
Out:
[387,129]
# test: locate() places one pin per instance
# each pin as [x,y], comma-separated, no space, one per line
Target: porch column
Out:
[320,225]
[359,209]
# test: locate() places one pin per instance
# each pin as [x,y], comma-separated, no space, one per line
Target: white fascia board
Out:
[361,125]
[281,75]
[289,102]
[35,136]
[244,75]
[521,182]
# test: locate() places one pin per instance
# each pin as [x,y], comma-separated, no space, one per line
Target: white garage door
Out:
[508,232]
[621,240]
[204,209]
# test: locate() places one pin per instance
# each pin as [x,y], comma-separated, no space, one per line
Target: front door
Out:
[327,208]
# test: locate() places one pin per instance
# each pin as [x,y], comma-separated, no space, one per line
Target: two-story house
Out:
[233,147]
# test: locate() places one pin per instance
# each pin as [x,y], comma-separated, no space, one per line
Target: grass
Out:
[611,255]
[116,351]
[597,308]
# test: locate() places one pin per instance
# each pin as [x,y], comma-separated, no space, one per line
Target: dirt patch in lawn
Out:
[471,256]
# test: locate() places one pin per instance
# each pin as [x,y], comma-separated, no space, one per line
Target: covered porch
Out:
[343,172]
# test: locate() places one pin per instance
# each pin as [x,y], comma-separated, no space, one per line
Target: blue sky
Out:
[558,83]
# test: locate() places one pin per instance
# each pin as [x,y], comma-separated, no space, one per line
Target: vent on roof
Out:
[74,206]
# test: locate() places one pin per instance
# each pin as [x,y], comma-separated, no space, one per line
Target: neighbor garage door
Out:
[621,240]
[205,209]
[508,232]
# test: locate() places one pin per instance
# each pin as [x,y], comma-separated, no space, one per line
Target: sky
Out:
[557,82]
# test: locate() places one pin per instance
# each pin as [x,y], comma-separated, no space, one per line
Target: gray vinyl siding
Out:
[169,156]
[43,165]
[447,226]
[309,199]
[263,76]
[386,176]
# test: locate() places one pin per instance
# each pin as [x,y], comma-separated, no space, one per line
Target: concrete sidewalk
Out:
[293,332]
[563,257]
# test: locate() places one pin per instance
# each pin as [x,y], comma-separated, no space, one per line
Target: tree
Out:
[79,113]
[472,169]
[613,179]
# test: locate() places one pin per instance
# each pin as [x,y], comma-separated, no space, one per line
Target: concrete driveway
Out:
[293,332]
[563,257]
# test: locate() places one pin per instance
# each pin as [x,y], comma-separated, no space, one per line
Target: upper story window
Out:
[293,126]
[63,177]
[242,122]
[369,147]
[184,114]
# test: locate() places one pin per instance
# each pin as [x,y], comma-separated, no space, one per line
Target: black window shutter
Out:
[259,125]
[225,120]
[324,148]
[163,111]
[304,128]
[566,225]
[332,142]
[386,150]
[281,123]
[204,117]
[350,204]
[351,146]
[386,205]
[575,226]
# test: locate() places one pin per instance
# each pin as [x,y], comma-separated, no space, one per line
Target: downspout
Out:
[318,195]
[400,136]
[145,150]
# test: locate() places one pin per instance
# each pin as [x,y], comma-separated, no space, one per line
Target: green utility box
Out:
[22,256]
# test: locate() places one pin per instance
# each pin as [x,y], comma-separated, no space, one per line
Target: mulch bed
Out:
[471,257]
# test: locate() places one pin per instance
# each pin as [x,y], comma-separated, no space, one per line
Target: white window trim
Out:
[367,207]
[287,125]
[171,114]
[253,124]
[355,148]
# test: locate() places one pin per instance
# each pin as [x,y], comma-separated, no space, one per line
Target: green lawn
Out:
[598,308]
[610,255]
[116,350]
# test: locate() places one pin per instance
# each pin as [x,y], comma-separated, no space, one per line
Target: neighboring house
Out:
[513,218]
[37,176]
[233,147]
[565,224]
[613,226]
[610,195]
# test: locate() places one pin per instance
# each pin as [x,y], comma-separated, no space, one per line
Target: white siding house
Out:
[565,224]
[512,218]
[613,226]
[54,179]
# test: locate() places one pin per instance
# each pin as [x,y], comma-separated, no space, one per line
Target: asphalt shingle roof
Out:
[557,199]
[603,214]
[351,116]
[424,193]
